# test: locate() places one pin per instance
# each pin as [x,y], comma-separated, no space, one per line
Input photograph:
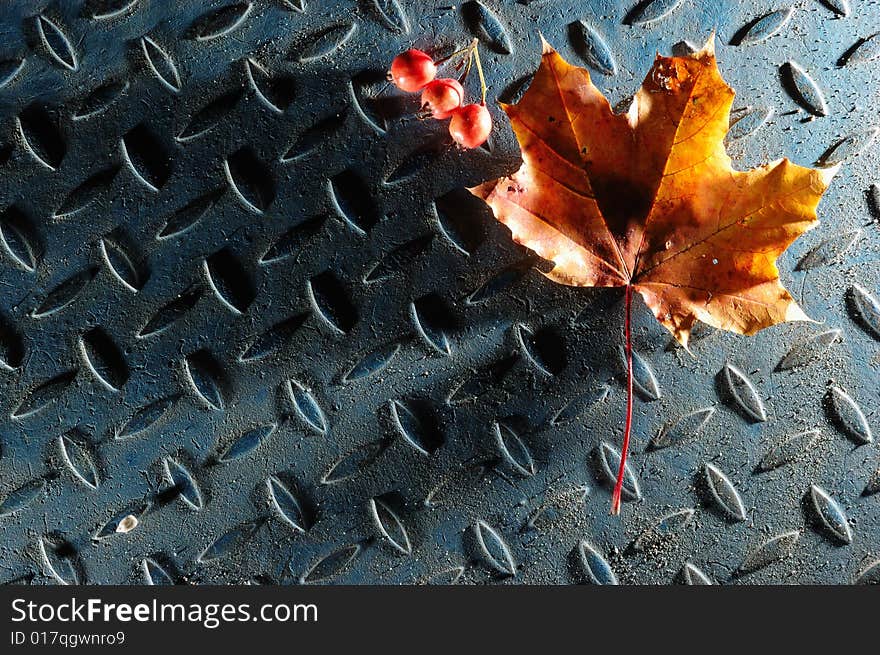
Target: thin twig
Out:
[480,72]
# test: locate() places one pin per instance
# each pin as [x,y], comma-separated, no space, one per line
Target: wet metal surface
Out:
[252,327]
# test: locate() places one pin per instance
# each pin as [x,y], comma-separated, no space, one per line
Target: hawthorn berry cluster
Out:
[413,71]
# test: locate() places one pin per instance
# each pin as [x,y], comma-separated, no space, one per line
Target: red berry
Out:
[413,69]
[470,125]
[442,97]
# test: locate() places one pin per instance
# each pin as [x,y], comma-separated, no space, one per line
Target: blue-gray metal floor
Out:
[253,329]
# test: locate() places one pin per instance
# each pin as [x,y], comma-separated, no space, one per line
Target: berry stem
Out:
[618,486]
[469,49]
[480,72]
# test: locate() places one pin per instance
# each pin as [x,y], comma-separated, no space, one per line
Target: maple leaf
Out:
[648,200]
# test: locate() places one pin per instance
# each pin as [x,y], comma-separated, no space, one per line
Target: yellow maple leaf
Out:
[648,200]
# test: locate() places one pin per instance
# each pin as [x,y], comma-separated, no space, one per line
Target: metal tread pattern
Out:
[253,328]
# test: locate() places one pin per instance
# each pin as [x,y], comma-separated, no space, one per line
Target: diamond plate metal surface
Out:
[253,329]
